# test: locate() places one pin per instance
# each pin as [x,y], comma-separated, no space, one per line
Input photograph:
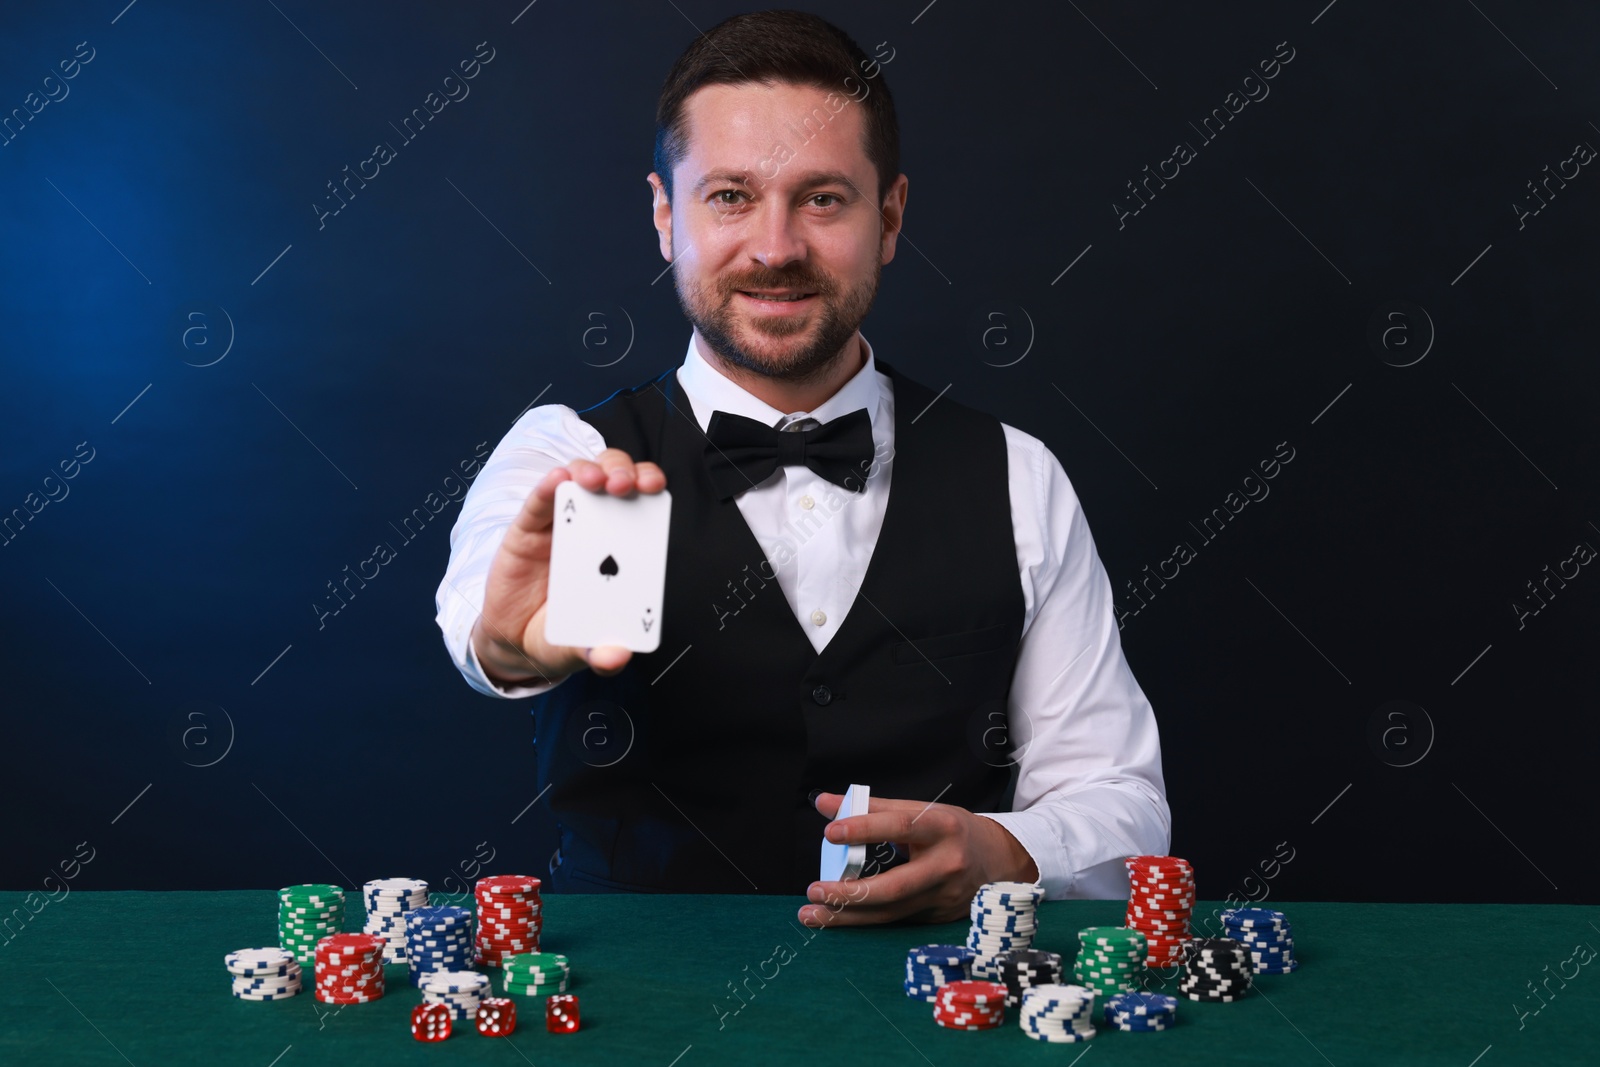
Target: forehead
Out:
[736,128]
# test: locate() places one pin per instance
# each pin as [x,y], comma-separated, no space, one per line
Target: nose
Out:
[776,241]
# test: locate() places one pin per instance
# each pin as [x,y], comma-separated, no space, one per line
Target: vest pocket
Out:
[947,646]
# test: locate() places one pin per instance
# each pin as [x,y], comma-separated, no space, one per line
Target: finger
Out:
[827,804]
[886,897]
[614,471]
[907,826]
[606,659]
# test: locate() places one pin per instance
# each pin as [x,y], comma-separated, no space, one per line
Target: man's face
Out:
[776,195]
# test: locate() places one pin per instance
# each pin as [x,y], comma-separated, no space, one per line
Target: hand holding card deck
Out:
[608,569]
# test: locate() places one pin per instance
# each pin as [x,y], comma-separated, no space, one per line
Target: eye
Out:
[726,192]
[828,196]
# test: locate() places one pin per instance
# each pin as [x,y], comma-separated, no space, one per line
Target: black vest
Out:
[688,771]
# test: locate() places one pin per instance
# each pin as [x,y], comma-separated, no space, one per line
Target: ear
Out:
[661,214]
[894,212]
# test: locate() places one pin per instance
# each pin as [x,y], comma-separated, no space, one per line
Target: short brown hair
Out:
[765,47]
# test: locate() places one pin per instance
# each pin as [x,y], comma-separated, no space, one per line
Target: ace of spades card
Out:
[608,569]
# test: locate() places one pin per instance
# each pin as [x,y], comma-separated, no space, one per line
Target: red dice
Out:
[497,1016]
[561,1014]
[430,1022]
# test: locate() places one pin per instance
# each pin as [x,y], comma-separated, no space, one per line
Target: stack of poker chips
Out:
[1058,1013]
[460,991]
[1216,969]
[535,974]
[497,1016]
[388,900]
[930,966]
[306,915]
[1160,904]
[1003,918]
[438,939]
[1110,959]
[263,973]
[1141,1013]
[509,917]
[970,1005]
[1266,935]
[1022,968]
[349,968]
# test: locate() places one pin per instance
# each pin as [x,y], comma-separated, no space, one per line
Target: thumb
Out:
[606,659]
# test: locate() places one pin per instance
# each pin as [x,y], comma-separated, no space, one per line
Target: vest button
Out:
[822,695]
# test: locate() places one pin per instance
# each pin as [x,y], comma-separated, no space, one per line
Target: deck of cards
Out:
[608,569]
[843,862]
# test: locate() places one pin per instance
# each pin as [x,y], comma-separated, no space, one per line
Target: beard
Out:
[794,349]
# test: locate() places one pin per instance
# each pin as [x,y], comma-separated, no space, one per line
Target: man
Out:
[813,635]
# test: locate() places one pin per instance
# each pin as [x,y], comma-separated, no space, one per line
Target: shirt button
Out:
[818,617]
[822,695]
[807,503]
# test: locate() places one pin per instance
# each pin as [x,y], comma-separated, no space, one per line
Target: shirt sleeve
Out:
[542,439]
[1089,785]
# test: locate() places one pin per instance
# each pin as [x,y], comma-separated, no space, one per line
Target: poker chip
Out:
[387,901]
[1266,935]
[349,968]
[1161,898]
[970,1005]
[510,917]
[1111,959]
[438,938]
[1004,918]
[1141,1012]
[263,973]
[1057,1013]
[250,962]
[307,914]
[1216,969]
[535,973]
[1022,968]
[930,966]
[460,991]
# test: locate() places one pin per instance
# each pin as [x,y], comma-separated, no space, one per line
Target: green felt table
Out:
[138,978]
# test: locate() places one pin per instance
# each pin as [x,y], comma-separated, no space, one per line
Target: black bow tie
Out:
[742,452]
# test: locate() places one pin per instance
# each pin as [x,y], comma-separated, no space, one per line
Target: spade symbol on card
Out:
[608,567]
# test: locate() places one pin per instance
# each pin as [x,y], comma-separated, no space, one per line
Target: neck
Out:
[788,396]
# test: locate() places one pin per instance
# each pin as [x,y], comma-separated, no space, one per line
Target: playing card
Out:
[608,569]
[841,862]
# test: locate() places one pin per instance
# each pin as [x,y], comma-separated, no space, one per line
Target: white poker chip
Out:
[257,959]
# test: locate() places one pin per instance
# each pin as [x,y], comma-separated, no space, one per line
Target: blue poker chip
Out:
[1284,967]
[1146,1003]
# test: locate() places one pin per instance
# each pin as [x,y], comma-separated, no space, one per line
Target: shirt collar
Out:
[708,390]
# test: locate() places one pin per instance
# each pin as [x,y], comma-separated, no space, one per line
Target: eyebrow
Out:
[813,177]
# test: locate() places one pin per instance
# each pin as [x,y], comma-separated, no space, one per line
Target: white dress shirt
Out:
[1089,789]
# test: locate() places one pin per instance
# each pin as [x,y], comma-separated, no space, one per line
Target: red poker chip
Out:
[364,942]
[507,883]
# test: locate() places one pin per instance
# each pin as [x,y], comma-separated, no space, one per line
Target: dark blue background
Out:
[144,609]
